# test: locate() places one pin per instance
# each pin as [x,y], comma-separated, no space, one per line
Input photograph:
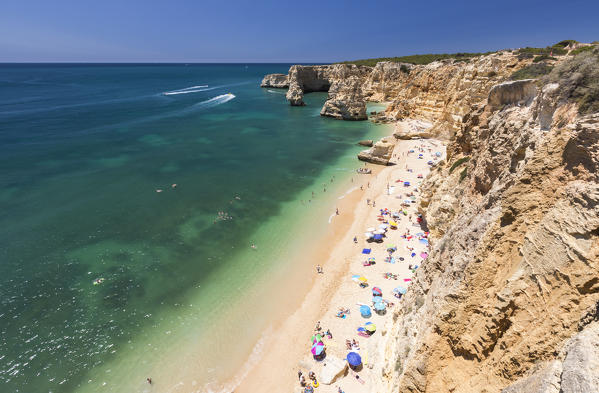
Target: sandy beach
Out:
[288,349]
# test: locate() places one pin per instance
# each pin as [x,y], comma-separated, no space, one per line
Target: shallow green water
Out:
[84,150]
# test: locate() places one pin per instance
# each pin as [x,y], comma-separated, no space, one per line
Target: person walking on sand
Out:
[319,269]
[355,239]
[337,211]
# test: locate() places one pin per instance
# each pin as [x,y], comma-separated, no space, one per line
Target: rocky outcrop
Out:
[342,81]
[275,80]
[513,92]
[380,153]
[576,369]
[410,129]
[507,298]
[441,92]
[345,101]
[366,142]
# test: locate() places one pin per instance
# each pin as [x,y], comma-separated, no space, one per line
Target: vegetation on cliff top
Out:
[418,59]
[578,79]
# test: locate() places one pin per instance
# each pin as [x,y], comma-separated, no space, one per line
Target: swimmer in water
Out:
[253,246]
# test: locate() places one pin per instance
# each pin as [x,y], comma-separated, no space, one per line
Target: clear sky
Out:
[281,31]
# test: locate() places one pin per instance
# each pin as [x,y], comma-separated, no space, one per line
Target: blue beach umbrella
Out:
[365,311]
[400,290]
[361,330]
[379,306]
[377,299]
[354,359]
[377,237]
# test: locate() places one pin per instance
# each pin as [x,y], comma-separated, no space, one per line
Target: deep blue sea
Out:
[96,265]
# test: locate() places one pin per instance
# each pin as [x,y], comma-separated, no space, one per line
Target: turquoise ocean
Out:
[180,296]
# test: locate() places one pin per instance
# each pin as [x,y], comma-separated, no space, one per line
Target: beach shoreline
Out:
[288,342]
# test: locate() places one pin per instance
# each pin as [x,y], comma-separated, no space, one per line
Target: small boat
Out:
[364,171]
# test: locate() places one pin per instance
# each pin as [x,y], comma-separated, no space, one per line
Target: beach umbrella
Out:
[370,229]
[438,154]
[400,290]
[423,240]
[316,338]
[354,359]
[361,330]
[423,255]
[377,299]
[379,306]
[383,226]
[317,348]
[371,259]
[370,327]
[376,291]
[393,223]
[365,311]
[378,236]
[368,235]
[379,232]
[406,183]
[366,251]
[362,279]
[355,277]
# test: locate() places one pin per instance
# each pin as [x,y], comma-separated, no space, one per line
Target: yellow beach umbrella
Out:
[362,279]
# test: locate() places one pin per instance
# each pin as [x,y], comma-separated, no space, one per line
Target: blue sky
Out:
[280,31]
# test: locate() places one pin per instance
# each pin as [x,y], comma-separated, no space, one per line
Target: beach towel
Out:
[407,279]
[366,251]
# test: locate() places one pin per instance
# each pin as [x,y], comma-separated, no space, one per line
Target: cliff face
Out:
[440,93]
[507,299]
[275,80]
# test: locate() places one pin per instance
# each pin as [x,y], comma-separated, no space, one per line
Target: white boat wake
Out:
[187,90]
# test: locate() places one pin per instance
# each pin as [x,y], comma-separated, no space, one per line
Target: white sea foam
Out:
[252,361]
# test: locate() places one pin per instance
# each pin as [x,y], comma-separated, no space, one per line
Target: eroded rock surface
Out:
[275,80]
[380,153]
[513,271]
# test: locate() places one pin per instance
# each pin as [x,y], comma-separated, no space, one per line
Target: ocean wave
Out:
[187,90]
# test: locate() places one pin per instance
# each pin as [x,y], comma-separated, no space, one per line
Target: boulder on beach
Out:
[380,153]
[332,368]
[366,142]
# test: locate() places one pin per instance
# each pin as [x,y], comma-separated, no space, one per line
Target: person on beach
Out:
[317,328]
[373,204]
[355,239]
[368,201]
[336,211]
[362,188]
[149,380]
[319,269]
[299,375]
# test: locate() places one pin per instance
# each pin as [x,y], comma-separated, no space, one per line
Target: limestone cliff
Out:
[507,299]
[279,81]
[441,92]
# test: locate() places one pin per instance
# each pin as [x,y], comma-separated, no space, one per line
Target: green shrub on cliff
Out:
[458,163]
[532,71]
[543,57]
[418,59]
[578,79]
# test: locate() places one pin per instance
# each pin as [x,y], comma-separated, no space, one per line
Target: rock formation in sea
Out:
[279,81]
